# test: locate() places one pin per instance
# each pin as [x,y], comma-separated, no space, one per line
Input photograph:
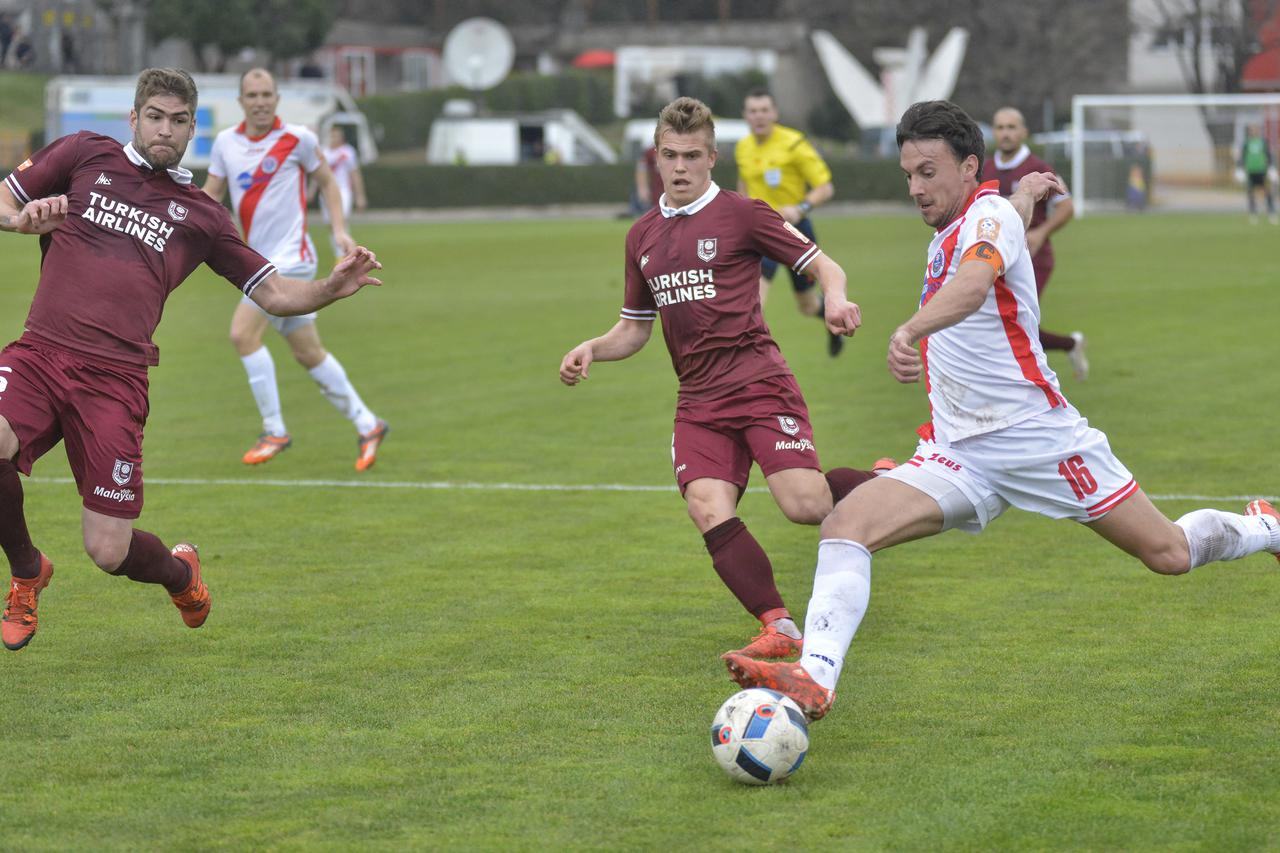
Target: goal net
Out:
[1161,152]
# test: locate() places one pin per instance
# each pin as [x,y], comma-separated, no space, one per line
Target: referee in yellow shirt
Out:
[778,165]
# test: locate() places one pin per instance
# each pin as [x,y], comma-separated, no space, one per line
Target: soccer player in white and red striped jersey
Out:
[265,163]
[695,261]
[1001,432]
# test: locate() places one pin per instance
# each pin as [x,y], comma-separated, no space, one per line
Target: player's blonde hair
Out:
[165,81]
[683,116]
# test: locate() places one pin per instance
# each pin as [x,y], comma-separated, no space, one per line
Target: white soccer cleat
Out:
[1079,361]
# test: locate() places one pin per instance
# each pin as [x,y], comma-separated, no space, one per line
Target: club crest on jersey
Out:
[707,248]
[269,165]
[988,228]
[122,473]
[937,265]
[788,424]
[177,212]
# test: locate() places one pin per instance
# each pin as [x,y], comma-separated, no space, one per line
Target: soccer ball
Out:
[759,736]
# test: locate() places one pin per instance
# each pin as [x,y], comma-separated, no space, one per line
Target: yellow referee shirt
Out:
[781,169]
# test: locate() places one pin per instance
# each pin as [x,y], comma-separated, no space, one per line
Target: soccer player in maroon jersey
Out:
[696,260]
[120,228]
[1012,162]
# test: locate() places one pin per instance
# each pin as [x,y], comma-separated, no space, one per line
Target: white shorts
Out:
[288,325]
[1054,464]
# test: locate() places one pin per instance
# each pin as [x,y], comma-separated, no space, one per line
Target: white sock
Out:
[338,390]
[841,590]
[1214,535]
[262,382]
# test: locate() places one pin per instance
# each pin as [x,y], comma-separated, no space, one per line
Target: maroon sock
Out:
[1048,341]
[15,539]
[743,566]
[844,480]
[149,561]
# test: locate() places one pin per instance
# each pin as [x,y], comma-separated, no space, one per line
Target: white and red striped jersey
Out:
[267,178]
[988,371]
[342,162]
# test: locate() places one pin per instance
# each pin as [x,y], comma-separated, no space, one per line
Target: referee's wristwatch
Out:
[805,207]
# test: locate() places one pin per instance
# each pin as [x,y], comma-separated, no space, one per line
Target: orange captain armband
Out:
[986,253]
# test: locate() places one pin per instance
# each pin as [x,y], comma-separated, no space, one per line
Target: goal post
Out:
[1163,152]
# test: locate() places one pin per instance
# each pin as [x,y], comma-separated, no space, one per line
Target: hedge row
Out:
[403,120]
[538,184]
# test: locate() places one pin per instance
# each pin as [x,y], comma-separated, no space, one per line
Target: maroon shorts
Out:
[766,422]
[1043,268]
[48,395]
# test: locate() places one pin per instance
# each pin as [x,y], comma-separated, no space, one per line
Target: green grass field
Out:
[422,657]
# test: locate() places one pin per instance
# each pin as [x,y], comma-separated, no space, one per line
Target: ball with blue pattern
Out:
[759,736]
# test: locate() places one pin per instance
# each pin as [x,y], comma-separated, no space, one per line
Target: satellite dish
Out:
[478,53]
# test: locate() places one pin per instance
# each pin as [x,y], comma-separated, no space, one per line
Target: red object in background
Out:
[594,59]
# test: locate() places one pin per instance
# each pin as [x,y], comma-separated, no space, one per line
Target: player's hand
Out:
[904,358]
[352,273]
[1041,185]
[791,213]
[42,215]
[842,316]
[344,241]
[574,365]
[361,203]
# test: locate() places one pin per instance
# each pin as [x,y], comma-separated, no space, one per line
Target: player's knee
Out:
[1172,558]
[106,551]
[8,441]
[806,509]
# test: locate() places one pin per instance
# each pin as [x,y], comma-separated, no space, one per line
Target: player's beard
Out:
[158,155]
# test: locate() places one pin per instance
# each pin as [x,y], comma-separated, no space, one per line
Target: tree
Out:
[282,28]
[1212,39]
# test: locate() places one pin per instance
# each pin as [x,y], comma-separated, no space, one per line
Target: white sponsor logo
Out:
[117,495]
[103,179]
[177,212]
[113,215]
[788,424]
[122,473]
[4,380]
[707,248]
[644,261]
[795,444]
[682,286]
[681,468]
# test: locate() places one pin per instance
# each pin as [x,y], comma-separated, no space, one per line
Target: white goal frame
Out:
[1080,103]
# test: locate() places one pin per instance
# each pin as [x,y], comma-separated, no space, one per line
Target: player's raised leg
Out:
[1199,537]
[882,513]
[118,548]
[332,380]
[248,324]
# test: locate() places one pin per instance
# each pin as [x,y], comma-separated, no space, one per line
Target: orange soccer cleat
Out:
[194,601]
[267,448]
[789,678]
[769,643]
[1261,507]
[369,444]
[883,464]
[19,623]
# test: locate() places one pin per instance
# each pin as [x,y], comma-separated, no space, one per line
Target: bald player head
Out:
[1010,130]
[259,99]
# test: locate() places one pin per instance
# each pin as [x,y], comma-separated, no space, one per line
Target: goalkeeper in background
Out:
[1255,166]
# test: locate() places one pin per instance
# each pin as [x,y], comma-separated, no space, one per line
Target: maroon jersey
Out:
[131,236]
[1009,173]
[700,267]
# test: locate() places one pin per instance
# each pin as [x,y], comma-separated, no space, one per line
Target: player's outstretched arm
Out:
[214,187]
[625,339]
[963,295]
[37,217]
[287,297]
[842,316]
[1031,189]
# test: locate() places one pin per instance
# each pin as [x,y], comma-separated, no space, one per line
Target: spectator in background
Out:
[6,37]
[648,180]
[1256,164]
[24,55]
